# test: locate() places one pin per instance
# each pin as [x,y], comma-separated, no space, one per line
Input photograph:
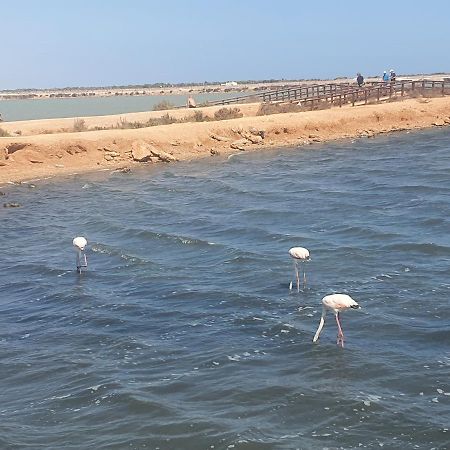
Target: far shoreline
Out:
[186,88]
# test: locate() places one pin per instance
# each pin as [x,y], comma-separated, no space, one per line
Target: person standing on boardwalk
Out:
[359,79]
[385,77]
[392,75]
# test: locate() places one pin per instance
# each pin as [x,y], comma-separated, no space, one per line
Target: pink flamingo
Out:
[299,254]
[80,243]
[336,303]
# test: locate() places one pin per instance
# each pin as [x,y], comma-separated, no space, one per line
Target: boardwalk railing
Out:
[342,93]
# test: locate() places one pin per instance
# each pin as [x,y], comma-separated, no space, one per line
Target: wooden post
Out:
[378,95]
[365,96]
[403,88]
[442,89]
[340,100]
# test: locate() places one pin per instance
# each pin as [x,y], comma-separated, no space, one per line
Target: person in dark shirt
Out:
[359,79]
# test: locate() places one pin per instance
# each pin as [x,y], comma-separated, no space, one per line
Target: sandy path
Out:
[38,156]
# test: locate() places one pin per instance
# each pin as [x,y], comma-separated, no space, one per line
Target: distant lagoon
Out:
[52,108]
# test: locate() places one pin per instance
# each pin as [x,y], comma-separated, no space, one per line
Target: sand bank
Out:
[42,155]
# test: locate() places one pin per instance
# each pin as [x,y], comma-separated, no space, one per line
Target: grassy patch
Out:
[162,106]
[277,108]
[79,125]
[228,113]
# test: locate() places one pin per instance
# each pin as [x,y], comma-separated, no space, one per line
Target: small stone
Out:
[112,153]
[162,155]
[123,170]
[257,132]
[219,138]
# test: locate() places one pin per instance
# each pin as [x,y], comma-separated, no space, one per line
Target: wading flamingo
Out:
[80,244]
[300,255]
[336,303]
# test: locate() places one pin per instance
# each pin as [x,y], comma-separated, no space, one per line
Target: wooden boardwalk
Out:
[338,94]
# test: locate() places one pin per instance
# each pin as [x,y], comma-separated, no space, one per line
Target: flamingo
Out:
[80,244]
[336,303]
[299,254]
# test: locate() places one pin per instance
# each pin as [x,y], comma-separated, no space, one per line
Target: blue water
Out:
[52,108]
[183,334]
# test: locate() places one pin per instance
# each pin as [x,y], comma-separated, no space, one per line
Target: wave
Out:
[428,249]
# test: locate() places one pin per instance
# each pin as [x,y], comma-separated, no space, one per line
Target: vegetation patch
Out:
[228,113]
[79,125]
[162,106]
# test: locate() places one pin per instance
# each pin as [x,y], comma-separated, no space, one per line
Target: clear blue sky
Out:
[57,43]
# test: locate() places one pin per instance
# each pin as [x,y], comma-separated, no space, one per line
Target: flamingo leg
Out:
[81,261]
[290,284]
[340,336]
[304,277]
[297,276]
[78,262]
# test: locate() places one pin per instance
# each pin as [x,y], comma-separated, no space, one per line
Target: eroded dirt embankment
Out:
[30,157]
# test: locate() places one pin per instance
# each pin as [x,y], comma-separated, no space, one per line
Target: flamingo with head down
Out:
[335,303]
[80,244]
[299,255]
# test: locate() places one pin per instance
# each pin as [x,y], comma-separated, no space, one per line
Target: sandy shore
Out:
[43,155]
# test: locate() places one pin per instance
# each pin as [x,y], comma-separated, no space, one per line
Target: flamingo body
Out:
[79,243]
[336,303]
[299,255]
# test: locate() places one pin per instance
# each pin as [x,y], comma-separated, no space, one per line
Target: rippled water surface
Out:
[183,334]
